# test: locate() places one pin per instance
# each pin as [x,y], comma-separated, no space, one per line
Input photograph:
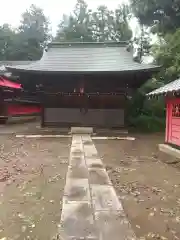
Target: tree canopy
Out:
[100,25]
[167,54]
[162,15]
[28,40]
[34,33]
[162,18]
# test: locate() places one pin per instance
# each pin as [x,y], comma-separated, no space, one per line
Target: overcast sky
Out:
[11,10]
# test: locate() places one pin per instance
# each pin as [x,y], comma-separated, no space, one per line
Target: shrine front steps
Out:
[99,131]
[81,130]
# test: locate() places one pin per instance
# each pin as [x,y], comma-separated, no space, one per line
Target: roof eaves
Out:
[87,44]
[172,87]
[21,69]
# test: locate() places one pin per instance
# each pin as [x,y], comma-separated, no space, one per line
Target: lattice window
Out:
[176,110]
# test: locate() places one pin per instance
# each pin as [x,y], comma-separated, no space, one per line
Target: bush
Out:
[146,115]
[147,123]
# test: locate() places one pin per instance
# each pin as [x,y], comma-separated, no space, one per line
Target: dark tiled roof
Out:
[168,88]
[3,64]
[85,57]
[13,63]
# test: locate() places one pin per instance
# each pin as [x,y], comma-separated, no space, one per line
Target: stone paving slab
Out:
[94,162]
[77,161]
[77,190]
[113,225]
[91,208]
[86,137]
[77,152]
[77,172]
[98,176]
[104,198]
[90,149]
[77,221]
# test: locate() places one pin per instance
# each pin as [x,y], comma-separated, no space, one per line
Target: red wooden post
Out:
[167,120]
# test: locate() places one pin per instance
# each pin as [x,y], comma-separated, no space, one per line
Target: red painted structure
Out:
[171,92]
[173,121]
[11,102]
[19,110]
[8,84]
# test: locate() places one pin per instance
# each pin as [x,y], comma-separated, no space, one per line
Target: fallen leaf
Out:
[151,214]
[23,229]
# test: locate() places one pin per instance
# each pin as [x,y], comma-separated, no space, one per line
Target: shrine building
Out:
[171,94]
[84,84]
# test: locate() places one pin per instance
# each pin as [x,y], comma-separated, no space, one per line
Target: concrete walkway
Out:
[91,209]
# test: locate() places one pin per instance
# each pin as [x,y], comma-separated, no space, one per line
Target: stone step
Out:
[81,130]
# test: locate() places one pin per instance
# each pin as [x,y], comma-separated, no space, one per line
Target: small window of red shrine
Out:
[176,110]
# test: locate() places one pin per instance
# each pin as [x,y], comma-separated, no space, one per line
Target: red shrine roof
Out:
[6,83]
[84,58]
[172,87]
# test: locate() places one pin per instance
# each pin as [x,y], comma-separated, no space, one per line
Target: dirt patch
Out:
[31,186]
[148,188]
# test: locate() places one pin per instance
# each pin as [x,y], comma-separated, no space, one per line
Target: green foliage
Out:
[33,33]
[76,27]
[146,114]
[167,54]
[84,25]
[162,15]
[101,25]
[163,18]
[146,123]
[26,42]
[7,42]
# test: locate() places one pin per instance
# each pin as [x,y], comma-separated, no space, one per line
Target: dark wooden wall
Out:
[97,82]
[102,102]
[105,118]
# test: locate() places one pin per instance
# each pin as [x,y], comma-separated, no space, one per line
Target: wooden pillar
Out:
[168,115]
[42,116]
[42,97]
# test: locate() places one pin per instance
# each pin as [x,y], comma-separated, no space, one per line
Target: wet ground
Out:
[148,188]
[32,178]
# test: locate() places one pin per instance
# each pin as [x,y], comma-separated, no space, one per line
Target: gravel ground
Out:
[32,178]
[148,188]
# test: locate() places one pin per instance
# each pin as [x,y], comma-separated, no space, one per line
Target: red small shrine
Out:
[84,84]
[171,92]
[12,104]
